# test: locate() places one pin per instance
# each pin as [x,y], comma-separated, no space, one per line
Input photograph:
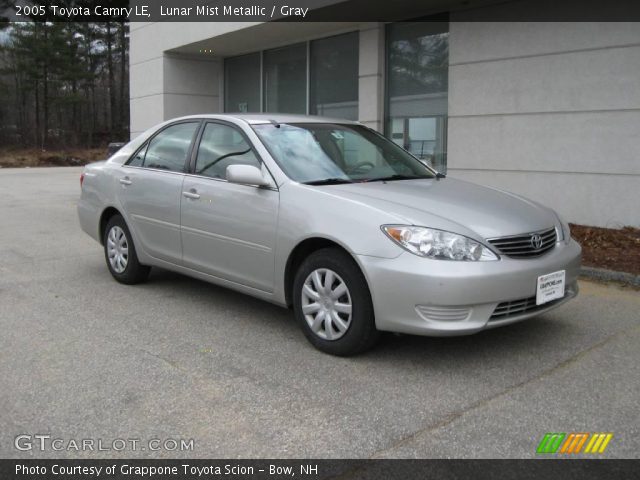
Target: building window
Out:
[333,83]
[417,87]
[242,83]
[319,77]
[285,79]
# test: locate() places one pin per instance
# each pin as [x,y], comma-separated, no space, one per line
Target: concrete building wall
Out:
[371,73]
[169,77]
[166,84]
[550,111]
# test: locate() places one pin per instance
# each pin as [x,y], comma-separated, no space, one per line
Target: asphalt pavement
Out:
[85,358]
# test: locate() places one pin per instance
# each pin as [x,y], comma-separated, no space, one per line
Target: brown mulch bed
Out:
[609,248]
[34,157]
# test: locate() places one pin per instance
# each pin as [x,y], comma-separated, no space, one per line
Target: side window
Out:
[138,159]
[221,146]
[168,150]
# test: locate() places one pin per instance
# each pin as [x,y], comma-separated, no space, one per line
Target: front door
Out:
[228,230]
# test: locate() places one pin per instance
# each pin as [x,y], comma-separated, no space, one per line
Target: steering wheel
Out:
[362,167]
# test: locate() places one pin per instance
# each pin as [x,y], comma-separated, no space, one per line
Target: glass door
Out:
[423,137]
[417,89]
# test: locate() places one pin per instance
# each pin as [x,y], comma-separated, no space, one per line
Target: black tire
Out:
[134,272]
[361,334]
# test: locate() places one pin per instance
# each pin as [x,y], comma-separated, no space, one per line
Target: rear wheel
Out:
[120,253]
[333,305]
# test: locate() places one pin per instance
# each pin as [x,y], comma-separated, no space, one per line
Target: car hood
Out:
[486,211]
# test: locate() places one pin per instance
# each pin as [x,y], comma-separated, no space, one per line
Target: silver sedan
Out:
[330,218]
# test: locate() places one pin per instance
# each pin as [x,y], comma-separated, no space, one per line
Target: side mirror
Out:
[246,175]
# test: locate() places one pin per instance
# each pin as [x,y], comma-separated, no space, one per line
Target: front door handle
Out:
[191,194]
[125,181]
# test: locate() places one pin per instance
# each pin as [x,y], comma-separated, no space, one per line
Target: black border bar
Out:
[306,469]
[316,10]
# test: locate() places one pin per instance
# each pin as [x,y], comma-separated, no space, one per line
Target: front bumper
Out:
[440,298]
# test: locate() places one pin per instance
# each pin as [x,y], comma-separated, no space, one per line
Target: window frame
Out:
[386,117]
[309,71]
[191,171]
[225,92]
[263,80]
[147,142]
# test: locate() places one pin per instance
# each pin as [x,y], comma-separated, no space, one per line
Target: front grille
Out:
[522,246]
[518,307]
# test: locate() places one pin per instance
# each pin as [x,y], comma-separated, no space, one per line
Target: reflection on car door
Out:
[151,190]
[228,230]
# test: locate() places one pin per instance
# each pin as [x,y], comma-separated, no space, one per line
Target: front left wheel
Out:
[120,253]
[332,303]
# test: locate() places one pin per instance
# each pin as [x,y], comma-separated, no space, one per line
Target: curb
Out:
[610,276]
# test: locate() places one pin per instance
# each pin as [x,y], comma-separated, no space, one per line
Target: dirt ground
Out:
[609,248]
[34,157]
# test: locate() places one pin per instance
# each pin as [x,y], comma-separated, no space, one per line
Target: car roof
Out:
[261,118]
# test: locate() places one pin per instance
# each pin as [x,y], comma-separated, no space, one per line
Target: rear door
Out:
[151,190]
[228,230]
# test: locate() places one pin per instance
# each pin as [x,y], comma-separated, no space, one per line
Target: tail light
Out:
[81,179]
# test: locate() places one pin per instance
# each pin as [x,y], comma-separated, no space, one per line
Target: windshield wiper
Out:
[328,181]
[396,177]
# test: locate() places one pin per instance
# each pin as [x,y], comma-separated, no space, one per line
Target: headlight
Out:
[438,244]
[566,231]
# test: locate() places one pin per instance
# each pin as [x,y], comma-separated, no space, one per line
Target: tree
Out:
[61,79]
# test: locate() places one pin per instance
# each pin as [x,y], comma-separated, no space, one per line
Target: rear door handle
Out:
[125,181]
[192,195]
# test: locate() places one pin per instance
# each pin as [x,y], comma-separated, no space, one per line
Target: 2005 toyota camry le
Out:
[330,218]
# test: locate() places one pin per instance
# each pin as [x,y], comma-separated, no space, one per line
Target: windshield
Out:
[325,153]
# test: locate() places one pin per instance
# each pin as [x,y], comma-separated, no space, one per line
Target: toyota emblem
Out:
[536,241]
